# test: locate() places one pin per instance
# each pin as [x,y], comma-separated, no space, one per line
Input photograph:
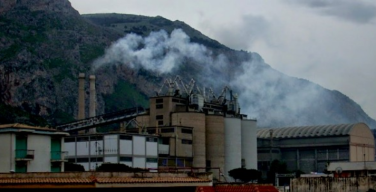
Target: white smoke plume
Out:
[264,93]
[158,52]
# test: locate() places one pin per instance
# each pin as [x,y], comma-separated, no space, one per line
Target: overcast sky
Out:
[328,42]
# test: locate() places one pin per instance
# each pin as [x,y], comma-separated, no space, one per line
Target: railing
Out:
[24,154]
[58,156]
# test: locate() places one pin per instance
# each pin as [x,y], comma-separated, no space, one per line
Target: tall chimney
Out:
[92,105]
[81,96]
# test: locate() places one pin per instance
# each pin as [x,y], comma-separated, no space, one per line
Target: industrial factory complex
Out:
[183,128]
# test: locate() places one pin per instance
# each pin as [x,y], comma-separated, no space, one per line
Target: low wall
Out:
[330,184]
[103,174]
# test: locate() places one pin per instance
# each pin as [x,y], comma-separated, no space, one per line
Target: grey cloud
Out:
[250,29]
[355,11]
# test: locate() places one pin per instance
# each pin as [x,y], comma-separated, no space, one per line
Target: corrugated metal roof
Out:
[306,131]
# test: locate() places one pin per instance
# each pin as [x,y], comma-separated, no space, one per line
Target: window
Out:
[82,138]
[160,122]
[96,138]
[125,137]
[152,139]
[159,117]
[151,160]
[70,139]
[189,131]
[82,160]
[168,130]
[159,106]
[186,141]
[96,159]
[126,159]
[71,160]
[159,101]
[164,141]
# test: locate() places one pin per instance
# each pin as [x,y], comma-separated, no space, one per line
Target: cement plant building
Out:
[194,129]
[311,148]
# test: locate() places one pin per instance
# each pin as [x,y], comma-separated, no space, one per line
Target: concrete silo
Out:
[233,145]
[215,146]
[249,143]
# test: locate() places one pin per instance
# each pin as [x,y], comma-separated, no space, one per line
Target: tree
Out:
[68,167]
[245,175]
[276,167]
[117,167]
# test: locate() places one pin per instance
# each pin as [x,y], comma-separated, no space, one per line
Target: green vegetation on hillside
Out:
[125,96]
[9,114]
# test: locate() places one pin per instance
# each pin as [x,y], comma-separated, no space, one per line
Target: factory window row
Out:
[125,137]
[86,160]
[189,131]
[126,159]
[68,140]
[96,138]
[168,130]
[159,117]
[72,139]
[152,139]
[179,101]
[159,101]
[151,160]
[160,122]
[82,138]
[186,141]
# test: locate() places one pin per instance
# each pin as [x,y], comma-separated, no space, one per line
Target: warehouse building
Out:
[312,148]
[92,150]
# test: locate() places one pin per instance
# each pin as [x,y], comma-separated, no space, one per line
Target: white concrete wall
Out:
[111,144]
[82,148]
[139,146]
[126,147]
[152,149]
[249,143]
[7,152]
[139,162]
[96,147]
[42,154]
[152,165]
[70,147]
[233,146]
[113,159]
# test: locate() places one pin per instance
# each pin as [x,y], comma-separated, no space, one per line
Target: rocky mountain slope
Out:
[45,44]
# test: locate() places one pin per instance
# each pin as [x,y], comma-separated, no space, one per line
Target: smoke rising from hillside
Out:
[264,93]
[159,52]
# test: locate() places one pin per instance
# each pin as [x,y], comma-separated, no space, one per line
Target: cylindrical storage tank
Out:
[215,145]
[197,121]
[249,143]
[233,145]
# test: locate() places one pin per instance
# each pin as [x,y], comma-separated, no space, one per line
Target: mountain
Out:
[45,44]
